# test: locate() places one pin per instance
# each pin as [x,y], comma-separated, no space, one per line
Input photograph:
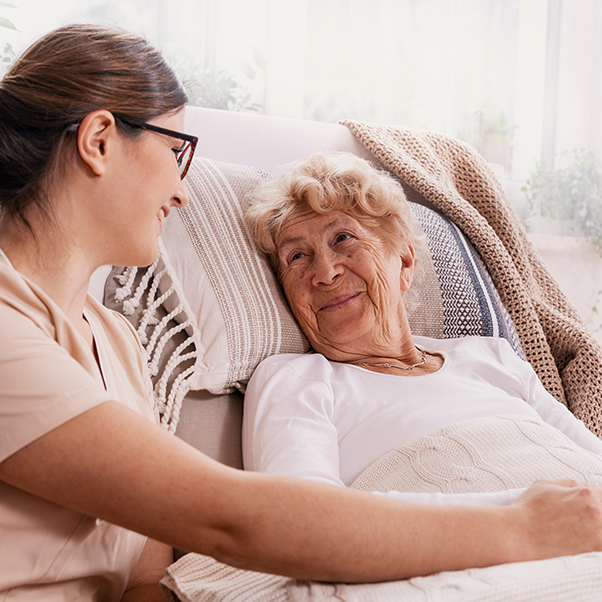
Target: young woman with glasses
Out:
[91,161]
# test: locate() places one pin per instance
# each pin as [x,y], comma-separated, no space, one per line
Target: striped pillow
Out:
[238,308]
[456,294]
[217,292]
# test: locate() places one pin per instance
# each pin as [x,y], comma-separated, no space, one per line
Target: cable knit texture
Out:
[196,578]
[485,454]
[458,181]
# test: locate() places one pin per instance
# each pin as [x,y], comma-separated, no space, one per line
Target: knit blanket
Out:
[481,455]
[566,579]
[495,453]
[458,182]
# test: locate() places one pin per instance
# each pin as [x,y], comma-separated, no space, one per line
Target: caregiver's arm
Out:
[111,463]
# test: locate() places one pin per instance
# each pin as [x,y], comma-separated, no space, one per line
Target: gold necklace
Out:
[420,363]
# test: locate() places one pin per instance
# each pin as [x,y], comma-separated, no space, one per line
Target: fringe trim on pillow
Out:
[155,334]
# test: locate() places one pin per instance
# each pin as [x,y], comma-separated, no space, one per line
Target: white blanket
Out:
[196,578]
[478,455]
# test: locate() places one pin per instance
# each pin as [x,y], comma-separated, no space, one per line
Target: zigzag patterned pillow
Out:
[209,310]
[457,296]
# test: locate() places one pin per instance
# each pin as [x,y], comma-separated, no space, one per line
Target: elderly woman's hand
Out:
[562,518]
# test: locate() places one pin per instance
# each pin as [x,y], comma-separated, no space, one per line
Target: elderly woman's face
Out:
[344,286]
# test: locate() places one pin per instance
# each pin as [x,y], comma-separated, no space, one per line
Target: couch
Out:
[209,309]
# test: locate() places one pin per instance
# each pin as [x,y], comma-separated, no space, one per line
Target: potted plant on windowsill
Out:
[567,194]
[218,89]
[7,54]
[493,138]
[570,195]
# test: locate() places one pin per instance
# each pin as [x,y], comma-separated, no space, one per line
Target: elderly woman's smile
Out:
[340,301]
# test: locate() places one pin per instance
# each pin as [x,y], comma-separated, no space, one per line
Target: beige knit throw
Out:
[495,453]
[458,181]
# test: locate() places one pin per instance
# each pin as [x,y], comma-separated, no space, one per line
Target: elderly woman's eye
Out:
[295,256]
[342,238]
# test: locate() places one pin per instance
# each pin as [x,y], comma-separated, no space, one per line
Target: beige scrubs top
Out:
[48,375]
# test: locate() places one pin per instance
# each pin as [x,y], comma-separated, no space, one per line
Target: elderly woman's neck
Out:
[376,348]
[403,358]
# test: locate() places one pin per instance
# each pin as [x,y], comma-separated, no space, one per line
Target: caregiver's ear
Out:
[94,138]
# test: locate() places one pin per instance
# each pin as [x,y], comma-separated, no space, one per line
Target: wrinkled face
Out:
[344,286]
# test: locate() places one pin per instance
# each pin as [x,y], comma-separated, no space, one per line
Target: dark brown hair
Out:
[62,77]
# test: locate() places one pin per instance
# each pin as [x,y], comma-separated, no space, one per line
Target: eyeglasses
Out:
[183,155]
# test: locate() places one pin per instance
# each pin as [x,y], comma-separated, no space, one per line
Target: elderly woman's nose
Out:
[326,268]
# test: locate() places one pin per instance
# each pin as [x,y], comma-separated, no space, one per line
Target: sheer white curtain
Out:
[521,73]
[521,80]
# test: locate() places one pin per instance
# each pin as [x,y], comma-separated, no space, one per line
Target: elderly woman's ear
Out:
[407,268]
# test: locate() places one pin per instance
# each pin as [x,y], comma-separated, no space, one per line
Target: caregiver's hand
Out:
[562,518]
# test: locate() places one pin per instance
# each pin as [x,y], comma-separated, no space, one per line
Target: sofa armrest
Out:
[212,424]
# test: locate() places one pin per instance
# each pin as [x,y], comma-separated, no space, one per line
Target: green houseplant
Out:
[7,54]
[571,194]
[220,90]
[4,22]
[493,136]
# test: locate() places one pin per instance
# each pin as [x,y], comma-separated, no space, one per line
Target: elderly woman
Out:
[338,234]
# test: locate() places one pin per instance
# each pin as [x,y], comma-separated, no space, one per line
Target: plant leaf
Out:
[4,22]
[259,59]
[247,69]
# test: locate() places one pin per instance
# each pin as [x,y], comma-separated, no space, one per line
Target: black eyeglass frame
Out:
[192,140]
